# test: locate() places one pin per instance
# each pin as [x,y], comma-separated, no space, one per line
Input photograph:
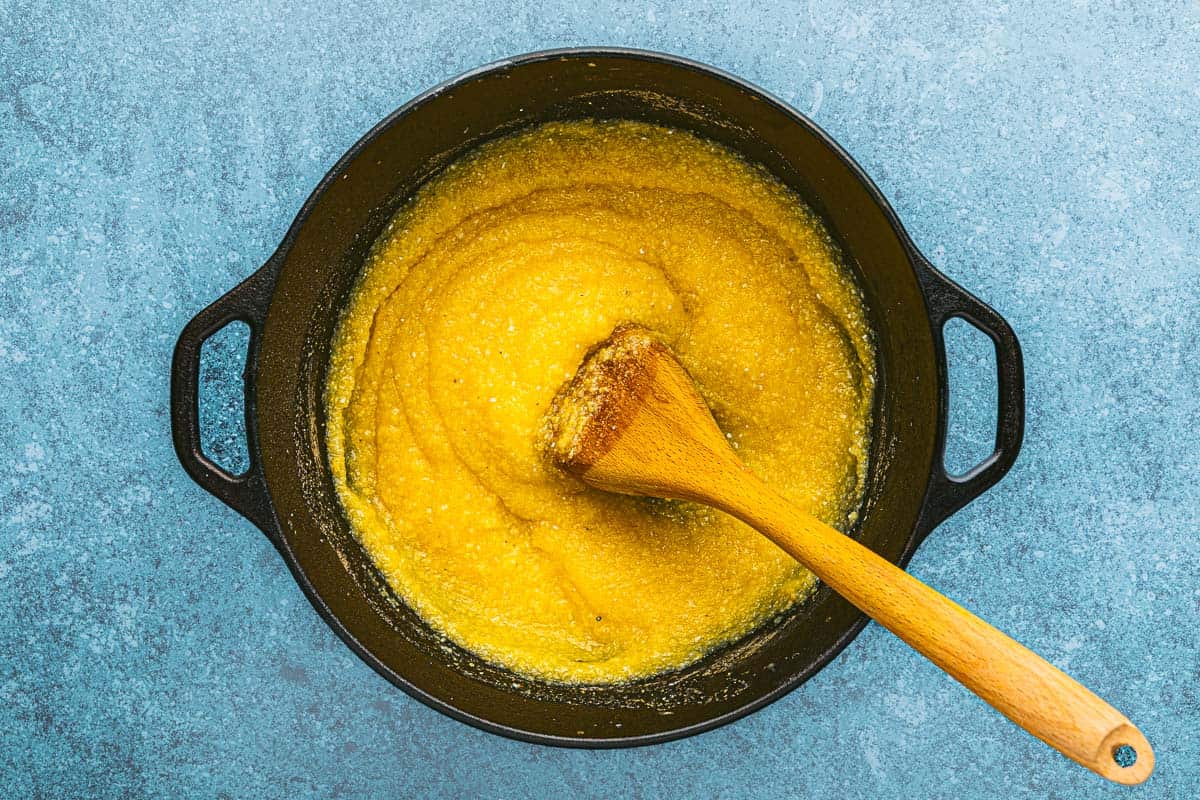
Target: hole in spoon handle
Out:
[1125,756]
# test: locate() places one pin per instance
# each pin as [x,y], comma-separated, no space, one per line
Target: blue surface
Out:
[151,641]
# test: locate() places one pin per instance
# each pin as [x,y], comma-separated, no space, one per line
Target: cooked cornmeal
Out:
[479,302]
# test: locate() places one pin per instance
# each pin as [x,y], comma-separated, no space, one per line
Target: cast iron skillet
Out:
[292,304]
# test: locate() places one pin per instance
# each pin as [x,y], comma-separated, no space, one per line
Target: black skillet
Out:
[292,305]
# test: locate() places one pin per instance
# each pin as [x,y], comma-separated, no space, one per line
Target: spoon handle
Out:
[1016,681]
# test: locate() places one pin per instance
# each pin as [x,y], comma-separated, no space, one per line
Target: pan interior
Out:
[317,268]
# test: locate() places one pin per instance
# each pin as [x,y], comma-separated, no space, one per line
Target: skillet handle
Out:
[947,300]
[246,493]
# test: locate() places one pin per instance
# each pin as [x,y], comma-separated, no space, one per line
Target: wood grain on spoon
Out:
[632,422]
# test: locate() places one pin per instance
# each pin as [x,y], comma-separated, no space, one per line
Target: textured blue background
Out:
[151,155]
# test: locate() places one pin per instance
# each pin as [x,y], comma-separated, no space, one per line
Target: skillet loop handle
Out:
[947,300]
[245,493]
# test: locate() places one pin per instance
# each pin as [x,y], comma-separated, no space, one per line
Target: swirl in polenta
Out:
[478,303]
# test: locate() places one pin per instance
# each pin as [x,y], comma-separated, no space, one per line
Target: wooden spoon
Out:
[632,421]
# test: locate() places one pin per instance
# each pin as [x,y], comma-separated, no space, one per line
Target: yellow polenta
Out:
[479,302]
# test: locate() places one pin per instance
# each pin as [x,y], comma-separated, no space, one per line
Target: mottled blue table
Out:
[151,155]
